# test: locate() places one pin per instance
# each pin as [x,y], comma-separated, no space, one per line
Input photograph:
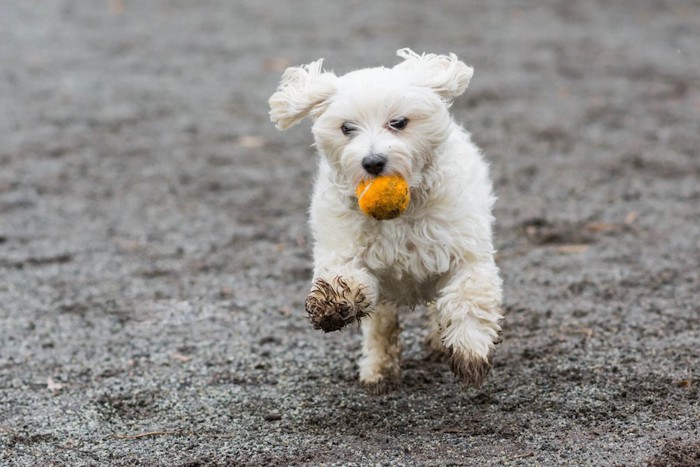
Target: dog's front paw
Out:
[383,385]
[333,305]
[469,368]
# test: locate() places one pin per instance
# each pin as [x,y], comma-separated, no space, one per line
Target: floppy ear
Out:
[303,91]
[446,75]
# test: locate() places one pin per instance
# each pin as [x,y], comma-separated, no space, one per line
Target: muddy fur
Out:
[331,307]
[470,371]
[383,386]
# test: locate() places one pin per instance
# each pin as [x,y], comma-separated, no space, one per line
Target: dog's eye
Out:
[348,129]
[398,124]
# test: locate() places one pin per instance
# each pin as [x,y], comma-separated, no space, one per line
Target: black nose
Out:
[374,163]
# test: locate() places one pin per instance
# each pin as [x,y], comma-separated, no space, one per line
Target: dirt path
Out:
[154,254]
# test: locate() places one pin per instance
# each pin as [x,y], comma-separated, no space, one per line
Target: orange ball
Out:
[383,197]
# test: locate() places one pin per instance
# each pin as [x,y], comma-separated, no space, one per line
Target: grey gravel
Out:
[154,253]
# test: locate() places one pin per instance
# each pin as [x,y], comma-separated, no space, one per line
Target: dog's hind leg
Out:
[469,313]
[380,366]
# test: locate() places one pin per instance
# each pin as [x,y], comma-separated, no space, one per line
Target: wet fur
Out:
[333,305]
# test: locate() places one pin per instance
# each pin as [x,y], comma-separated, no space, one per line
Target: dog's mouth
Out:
[354,169]
[392,169]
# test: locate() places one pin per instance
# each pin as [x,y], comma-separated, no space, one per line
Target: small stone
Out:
[272,417]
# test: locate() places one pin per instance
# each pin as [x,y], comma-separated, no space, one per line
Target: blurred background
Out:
[154,252]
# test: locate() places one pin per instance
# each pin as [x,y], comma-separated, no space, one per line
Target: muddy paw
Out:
[470,370]
[382,385]
[333,305]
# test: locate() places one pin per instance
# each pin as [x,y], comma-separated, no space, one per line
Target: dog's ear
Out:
[303,91]
[446,75]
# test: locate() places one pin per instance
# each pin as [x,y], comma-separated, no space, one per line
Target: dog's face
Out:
[375,121]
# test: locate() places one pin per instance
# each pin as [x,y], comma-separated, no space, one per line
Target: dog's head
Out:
[376,120]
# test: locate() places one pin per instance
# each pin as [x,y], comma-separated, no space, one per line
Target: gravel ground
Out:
[154,253]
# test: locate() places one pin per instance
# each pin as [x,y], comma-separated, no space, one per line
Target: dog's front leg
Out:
[342,292]
[468,312]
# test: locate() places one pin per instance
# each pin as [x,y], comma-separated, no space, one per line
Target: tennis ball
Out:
[383,197]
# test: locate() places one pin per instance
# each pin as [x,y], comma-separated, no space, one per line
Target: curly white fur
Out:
[440,250]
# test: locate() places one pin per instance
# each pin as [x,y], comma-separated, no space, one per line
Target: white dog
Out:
[439,252]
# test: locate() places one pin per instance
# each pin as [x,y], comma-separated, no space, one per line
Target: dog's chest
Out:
[408,254]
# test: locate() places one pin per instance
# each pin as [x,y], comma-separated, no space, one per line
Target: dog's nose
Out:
[374,163]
